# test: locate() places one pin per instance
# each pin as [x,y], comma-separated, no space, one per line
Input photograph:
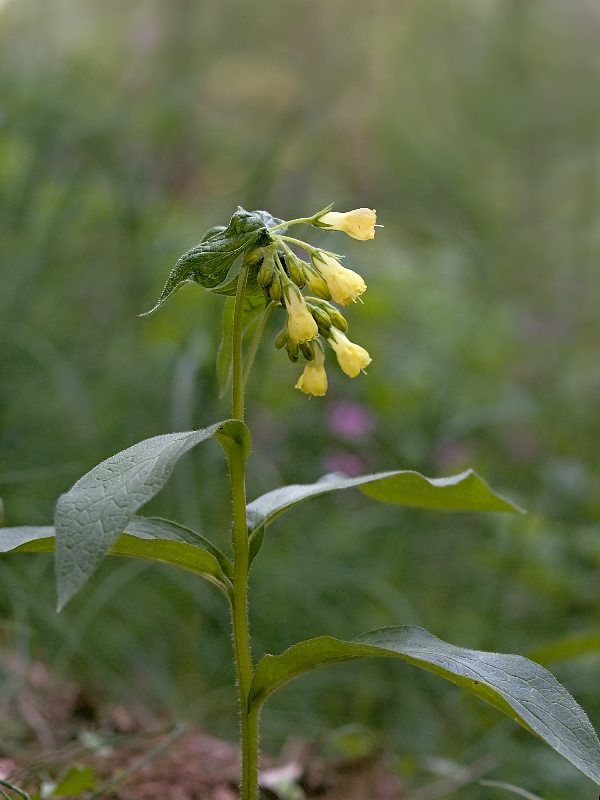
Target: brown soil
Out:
[48,726]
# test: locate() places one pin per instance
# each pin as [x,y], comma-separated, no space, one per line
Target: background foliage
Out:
[126,131]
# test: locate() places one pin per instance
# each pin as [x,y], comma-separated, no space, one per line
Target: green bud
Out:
[281,338]
[308,350]
[265,274]
[295,269]
[320,316]
[317,283]
[337,319]
[292,350]
[276,289]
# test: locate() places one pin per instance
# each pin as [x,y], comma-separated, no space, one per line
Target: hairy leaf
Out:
[209,261]
[466,491]
[145,538]
[518,687]
[92,514]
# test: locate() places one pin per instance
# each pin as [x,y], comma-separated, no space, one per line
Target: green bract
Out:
[209,262]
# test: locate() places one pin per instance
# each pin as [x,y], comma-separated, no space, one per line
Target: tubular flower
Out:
[344,284]
[360,223]
[314,378]
[351,357]
[301,325]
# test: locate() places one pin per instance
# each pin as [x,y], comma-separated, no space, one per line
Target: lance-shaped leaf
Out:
[208,262]
[464,492]
[147,538]
[94,512]
[518,687]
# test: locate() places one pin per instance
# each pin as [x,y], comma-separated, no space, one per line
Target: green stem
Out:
[241,561]
[299,221]
[304,245]
[237,391]
[256,339]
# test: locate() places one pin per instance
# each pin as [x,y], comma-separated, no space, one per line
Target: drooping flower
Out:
[344,284]
[301,325]
[351,357]
[360,223]
[314,378]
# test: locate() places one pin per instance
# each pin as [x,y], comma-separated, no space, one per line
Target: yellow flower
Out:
[314,378]
[351,357]
[360,223]
[344,284]
[301,325]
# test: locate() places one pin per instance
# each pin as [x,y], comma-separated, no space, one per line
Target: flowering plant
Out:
[99,514]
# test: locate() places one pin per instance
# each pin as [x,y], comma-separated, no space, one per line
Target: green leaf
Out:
[93,513]
[209,261]
[518,687]
[567,647]
[145,538]
[466,491]
[160,528]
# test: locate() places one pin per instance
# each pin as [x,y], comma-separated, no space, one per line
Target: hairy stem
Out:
[241,561]
[286,224]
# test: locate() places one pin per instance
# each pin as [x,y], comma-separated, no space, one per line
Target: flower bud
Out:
[295,270]
[314,378]
[301,325]
[344,284]
[265,273]
[351,357]
[308,350]
[360,223]
[337,318]
[320,316]
[276,289]
[281,338]
[292,350]
[317,283]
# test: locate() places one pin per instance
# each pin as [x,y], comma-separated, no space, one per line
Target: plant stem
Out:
[298,221]
[256,339]
[237,390]
[304,245]
[241,561]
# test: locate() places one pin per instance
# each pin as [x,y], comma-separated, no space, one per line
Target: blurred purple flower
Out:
[342,461]
[351,420]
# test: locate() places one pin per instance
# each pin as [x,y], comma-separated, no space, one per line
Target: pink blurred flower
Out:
[351,420]
[341,461]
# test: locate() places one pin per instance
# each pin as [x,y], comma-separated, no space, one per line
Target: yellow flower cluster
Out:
[311,319]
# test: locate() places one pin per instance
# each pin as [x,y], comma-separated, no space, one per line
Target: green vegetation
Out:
[124,134]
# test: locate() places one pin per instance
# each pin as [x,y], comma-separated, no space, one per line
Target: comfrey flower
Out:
[283,277]
[351,357]
[360,223]
[301,325]
[344,284]
[314,378]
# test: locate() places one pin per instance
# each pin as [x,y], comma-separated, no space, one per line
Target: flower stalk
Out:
[281,275]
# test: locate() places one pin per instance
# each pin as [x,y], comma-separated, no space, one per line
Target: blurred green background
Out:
[473,127]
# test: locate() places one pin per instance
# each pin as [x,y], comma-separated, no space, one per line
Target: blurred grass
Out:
[125,131]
